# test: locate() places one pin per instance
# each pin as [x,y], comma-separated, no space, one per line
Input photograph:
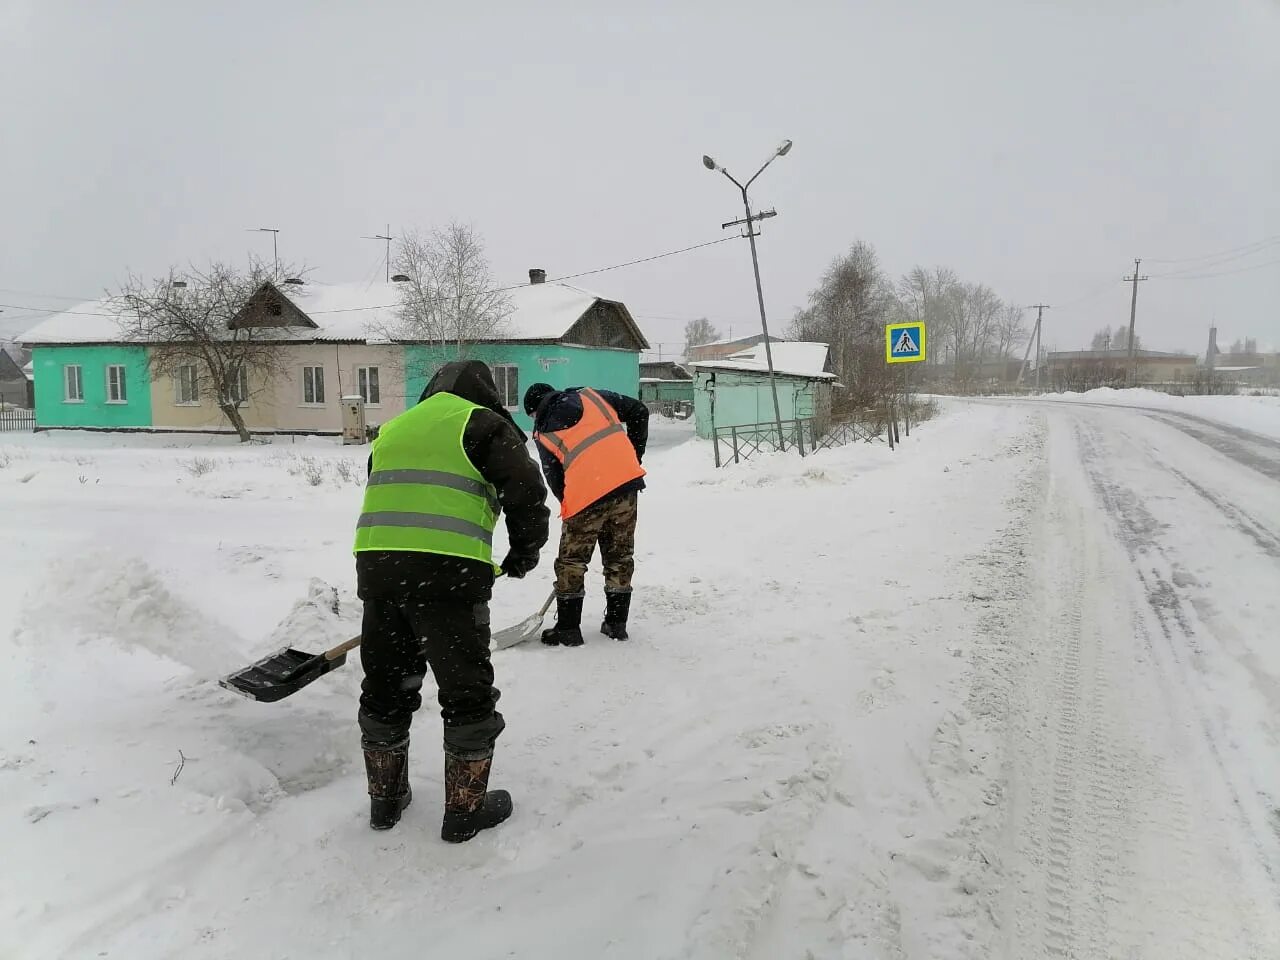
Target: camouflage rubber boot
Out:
[469,806]
[387,767]
[568,629]
[616,608]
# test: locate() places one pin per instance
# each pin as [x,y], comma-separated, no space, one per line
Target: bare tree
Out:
[198,334]
[848,311]
[1011,331]
[923,295]
[1102,340]
[450,297]
[1120,339]
[698,332]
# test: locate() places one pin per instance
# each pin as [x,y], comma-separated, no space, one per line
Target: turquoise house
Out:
[735,392]
[335,341]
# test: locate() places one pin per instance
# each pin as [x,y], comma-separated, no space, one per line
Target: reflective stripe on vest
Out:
[424,495]
[596,454]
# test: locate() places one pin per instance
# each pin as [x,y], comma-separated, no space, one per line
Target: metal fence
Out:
[13,421]
[735,444]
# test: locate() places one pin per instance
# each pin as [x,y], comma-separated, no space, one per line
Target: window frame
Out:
[367,385]
[119,382]
[309,380]
[193,397]
[510,370]
[66,383]
[240,395]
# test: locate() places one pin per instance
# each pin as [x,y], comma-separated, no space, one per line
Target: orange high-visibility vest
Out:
[595,452]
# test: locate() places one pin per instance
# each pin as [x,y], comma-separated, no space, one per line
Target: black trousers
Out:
[401,638]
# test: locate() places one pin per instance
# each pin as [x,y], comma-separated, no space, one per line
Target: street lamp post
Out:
[710,164]
[275,248]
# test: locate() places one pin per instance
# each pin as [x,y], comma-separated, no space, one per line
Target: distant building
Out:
[1086,369]
[332,338]
[719,349]
[666,386]
[15,380]
[734,391]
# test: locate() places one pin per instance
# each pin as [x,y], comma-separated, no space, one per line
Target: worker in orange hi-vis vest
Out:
[591,443]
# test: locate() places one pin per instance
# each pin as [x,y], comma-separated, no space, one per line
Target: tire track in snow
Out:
[1119,859]
[1168,809]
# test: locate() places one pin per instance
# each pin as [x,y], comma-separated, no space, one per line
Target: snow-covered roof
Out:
[791,358]
[346,311]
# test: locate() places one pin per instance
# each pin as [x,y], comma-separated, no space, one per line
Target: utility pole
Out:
[750,220]
[1040,309]
[1133,315]
[387,237]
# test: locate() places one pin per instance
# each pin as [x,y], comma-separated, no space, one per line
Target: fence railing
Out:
[735,444]
[12,421]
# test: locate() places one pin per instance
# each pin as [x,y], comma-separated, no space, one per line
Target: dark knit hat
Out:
[534,396]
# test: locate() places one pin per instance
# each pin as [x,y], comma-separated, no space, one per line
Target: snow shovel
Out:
[526,629]
[282,674]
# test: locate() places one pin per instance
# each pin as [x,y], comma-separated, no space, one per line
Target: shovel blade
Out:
[280,675]
[526,629]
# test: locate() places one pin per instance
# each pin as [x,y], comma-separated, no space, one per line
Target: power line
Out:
[1249,247]
[1207,276]
[384,306]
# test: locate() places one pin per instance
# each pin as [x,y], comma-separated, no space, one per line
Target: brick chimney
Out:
[537,276]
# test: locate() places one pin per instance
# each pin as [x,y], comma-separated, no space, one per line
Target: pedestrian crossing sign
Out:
[904,342]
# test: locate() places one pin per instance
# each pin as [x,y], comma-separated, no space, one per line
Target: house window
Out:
[313,385]
[506,376]
[186,386]
[116,392]
[73,380]
[367,384]
[238,387]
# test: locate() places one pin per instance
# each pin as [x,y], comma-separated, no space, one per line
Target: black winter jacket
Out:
[496,448]
[562,409]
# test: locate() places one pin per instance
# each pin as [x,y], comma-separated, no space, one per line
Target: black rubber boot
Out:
[469,805]
[616,608]
[387,767]
[568,629]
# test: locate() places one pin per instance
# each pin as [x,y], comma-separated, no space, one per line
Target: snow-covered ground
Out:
[1011,691]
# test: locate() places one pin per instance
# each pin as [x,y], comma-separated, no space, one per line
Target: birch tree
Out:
[450,297]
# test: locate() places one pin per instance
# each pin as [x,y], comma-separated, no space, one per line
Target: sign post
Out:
[905,343]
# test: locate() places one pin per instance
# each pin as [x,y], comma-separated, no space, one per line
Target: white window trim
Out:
[124,387]
[312,404]
[494,368]
[370,366]
[66,393]
[177,387]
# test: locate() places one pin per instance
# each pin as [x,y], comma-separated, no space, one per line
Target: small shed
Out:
[734,391]
[15,378]
[666,386]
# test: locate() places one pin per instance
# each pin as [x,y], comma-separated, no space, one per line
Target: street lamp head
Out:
[709,163]
[785,148]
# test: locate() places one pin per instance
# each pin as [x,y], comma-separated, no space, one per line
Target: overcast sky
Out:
[1036,147]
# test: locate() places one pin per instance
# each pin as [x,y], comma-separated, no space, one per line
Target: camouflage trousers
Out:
[612,524]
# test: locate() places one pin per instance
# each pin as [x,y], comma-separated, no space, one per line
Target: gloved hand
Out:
[517,564]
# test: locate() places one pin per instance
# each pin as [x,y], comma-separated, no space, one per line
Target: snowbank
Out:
[1257,414]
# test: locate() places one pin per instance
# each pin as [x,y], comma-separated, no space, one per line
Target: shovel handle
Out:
[547,606]
[342,648]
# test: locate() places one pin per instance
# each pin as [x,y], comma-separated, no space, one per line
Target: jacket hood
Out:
[470,380]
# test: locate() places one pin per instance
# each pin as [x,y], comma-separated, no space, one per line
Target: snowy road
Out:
[1012,691]
[1146,786]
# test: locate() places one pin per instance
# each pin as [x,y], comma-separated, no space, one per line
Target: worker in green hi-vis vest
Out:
[440,474]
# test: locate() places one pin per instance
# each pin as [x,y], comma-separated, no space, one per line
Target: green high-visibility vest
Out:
[423,494]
